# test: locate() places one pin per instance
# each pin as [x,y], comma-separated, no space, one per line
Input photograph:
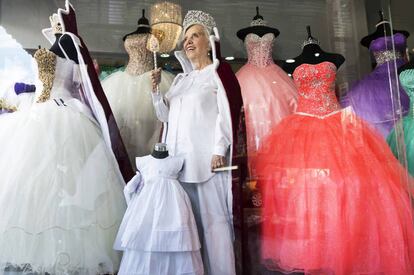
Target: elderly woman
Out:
[200,129]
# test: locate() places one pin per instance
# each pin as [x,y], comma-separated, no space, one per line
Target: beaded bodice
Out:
[259,49]
[56,75]
[407,82]
[382,48]
[316,88]
[140,58]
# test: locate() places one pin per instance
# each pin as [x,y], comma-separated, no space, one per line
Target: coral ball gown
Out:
[335,197]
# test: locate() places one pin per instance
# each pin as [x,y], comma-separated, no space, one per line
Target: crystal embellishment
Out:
[194,17]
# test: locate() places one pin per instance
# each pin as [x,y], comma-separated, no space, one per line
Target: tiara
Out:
[56,24]
[310,40]
[258,22]
[198,17]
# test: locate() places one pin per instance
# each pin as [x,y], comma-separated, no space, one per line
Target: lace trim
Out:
[46,61]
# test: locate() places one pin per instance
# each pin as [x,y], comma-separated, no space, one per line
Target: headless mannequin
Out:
[262,56]
[67,44]
[160,151]
[383,29]
[313,54]
[259,30]
[140,58]
[135,43]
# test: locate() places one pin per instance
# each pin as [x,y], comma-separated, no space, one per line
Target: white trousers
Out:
[212,211]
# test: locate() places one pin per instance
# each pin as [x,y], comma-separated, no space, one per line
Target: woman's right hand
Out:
[155,79]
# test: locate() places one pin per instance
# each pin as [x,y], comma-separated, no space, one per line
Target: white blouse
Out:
[197,128]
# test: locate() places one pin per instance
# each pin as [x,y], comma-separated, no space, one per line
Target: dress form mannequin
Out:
[312,54]
[129,94]
[268,93]
[383,29]
[140,58]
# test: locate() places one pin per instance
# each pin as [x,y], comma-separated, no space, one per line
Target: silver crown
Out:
[194,17]
[310,40]
[55,23]
[258,22]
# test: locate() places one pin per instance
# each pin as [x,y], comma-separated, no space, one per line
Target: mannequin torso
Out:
[140,58]
[313,54]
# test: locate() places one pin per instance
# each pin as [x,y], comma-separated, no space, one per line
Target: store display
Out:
[270,164]
[269,94]
[326,211]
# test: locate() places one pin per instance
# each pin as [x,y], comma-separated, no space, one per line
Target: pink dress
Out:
[269,94]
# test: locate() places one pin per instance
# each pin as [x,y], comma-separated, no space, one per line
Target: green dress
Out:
[407,82]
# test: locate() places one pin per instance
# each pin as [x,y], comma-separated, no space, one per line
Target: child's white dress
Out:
[158,233]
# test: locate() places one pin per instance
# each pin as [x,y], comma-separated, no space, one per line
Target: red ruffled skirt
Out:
[335,199]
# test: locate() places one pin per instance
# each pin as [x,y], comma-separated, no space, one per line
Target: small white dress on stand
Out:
[158,233]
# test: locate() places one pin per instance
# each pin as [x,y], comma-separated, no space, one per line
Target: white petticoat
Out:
[61,193]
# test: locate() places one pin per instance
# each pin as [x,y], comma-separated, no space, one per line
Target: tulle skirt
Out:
[269,95]
[408,128]
[335,199]
[61,193]
[131,102]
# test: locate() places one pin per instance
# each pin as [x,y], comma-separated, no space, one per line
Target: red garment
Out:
[118,146]
[335,198]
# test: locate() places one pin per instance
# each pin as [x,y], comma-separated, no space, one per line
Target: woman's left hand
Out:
[217,162]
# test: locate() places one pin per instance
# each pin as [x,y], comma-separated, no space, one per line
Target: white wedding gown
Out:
[131,102]
[61,193]
[129,94]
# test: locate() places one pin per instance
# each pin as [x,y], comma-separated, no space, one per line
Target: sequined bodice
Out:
[316,88]
[56,74]
[259,49]
[407,82]
[382,48]
[140,59]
